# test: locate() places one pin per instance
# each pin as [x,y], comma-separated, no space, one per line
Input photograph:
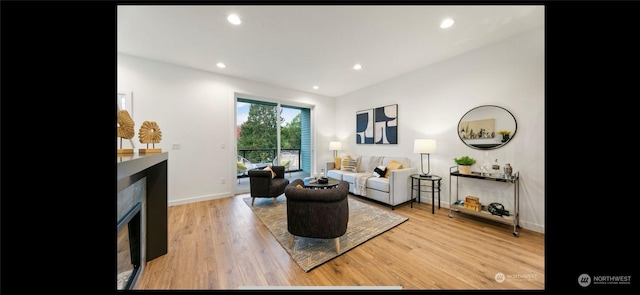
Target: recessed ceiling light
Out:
[315,87]
[357,67]
[234,19]
[446,23]
[221,65]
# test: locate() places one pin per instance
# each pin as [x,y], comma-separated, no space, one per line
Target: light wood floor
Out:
[221,244]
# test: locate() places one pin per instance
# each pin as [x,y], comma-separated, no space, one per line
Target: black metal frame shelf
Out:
[512,218]
[435,187]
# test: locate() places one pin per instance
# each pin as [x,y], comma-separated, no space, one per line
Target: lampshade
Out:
[335,145]
[424,146]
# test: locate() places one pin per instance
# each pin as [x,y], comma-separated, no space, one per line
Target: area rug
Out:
[365,223]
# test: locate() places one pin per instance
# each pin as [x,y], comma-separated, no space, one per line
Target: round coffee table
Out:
[312,184]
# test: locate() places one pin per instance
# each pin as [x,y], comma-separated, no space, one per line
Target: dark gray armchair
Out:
[317,213]
[263,185]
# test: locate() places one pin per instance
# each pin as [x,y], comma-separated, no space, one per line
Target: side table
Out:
[430,183]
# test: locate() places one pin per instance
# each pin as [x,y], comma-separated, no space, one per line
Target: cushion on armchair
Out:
[268,168]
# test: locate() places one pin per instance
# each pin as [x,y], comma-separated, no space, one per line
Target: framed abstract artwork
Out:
[364,127]
[385,126]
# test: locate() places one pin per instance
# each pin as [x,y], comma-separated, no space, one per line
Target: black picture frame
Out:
[386,124]
[364,126]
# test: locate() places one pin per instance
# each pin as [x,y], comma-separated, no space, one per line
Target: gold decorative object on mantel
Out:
[125,130]
[150,133]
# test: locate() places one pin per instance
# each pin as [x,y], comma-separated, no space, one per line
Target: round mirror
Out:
[487,127]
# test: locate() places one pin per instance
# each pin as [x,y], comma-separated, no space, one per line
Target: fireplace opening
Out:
[129,246]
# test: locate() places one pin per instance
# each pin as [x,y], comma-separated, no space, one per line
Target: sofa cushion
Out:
[362,163]
[381,184]
[350,177]
[393,165]
[369,163]
[337,174]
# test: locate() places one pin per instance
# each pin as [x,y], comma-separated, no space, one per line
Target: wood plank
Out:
[221,244]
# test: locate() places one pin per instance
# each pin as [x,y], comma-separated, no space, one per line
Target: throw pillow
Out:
[273,174]
[344,163]
[353,165]
[336,163]
[380,171]
[393,165]
[241,166]
[348,164]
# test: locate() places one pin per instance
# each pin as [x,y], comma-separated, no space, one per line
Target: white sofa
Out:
[393,191]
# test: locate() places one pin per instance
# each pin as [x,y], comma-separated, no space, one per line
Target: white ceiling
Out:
[298,47]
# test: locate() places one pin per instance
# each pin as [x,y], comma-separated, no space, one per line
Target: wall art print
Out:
[364,127]
[378,125]
[386,125]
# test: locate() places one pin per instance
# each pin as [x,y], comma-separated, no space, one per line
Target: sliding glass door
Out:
[257,134]
[269,133]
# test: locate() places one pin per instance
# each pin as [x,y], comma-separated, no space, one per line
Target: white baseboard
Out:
[199,199]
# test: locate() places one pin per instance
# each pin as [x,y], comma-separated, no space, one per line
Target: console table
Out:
[513,216]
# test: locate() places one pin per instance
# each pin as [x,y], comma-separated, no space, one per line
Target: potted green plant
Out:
[505,135]
[464,164]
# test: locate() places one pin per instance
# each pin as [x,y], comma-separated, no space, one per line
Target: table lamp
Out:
[424,146]
[335,146]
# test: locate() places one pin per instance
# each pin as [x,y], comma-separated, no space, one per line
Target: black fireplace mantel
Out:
[134,167]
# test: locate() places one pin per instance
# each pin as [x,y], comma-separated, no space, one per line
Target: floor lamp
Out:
[424,146]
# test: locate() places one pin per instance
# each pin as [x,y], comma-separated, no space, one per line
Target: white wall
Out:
[197,109]
[432,100]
